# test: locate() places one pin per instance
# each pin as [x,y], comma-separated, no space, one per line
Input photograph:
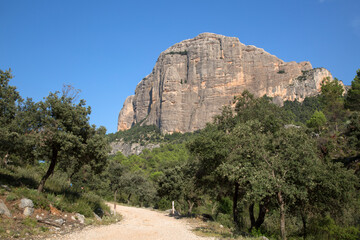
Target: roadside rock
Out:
[97,217]
[28,211]
[4,210]
[59,221]
[25,202]
[80,217]
[6,187]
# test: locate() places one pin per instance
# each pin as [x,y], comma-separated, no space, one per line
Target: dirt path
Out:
[138,223]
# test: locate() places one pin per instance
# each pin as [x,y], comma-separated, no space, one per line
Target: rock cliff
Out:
[128,149]
[193,79]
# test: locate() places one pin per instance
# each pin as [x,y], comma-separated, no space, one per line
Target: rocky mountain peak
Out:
[194,78]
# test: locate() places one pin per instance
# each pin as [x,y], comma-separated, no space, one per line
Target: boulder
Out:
[25,202]
[80,218]
[97,217]
[28,211]
[4,210]
[59,221]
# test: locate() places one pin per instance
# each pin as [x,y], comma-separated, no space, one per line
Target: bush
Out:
[163,204]
[30,222]
[11,197]
[82,207]
[326,228]
[225,205]
[38,199]
[225,220]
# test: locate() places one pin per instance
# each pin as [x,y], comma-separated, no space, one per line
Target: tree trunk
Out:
[49,171]
[4,160]
[282,215]
[128,199]
[191,205]
[261,217]
[115,193]
[251,214]
[303,218]
[235,200]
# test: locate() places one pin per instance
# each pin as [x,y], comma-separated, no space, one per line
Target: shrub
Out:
[82,207]
[326,228]
[225,220]
[225,205]
[29,222]
[38,199]
[163,204]
[11,197]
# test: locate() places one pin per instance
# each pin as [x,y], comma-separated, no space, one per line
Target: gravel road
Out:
[139,223]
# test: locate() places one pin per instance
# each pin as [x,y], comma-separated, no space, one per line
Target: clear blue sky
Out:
[106,47]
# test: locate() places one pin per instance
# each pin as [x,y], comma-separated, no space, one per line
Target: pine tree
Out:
[352,101]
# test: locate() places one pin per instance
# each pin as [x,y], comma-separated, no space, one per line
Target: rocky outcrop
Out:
[128,149]
[193,79]
[126,114]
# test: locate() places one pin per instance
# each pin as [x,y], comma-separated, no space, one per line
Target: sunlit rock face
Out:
[193,79]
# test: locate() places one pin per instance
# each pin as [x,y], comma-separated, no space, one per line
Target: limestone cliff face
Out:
[193,79]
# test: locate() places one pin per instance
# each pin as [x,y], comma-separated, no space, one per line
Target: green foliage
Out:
[317,121]
[10,102]
[271,116]
[138,131]
[39,200]
[326,228]
[29,222]
[65,136]
[352,101]
[353,131]
[225,205]
[145,134]
[21,181]
[225,220]
[11,197]
[302,111]
[179,52]
[274,166]
[332,101]
[163,204]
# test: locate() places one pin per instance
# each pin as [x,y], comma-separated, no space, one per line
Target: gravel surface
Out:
[138,223]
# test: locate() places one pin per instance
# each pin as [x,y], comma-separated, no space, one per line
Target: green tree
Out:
[303,110]
[115,173]
[216,147]
[10,101]
[65,136]
[332,100]
[353,131]
[179,184]
[317,121]
[352,100]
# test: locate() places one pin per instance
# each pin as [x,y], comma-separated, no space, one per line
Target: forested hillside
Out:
[284,172]
[288,172]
